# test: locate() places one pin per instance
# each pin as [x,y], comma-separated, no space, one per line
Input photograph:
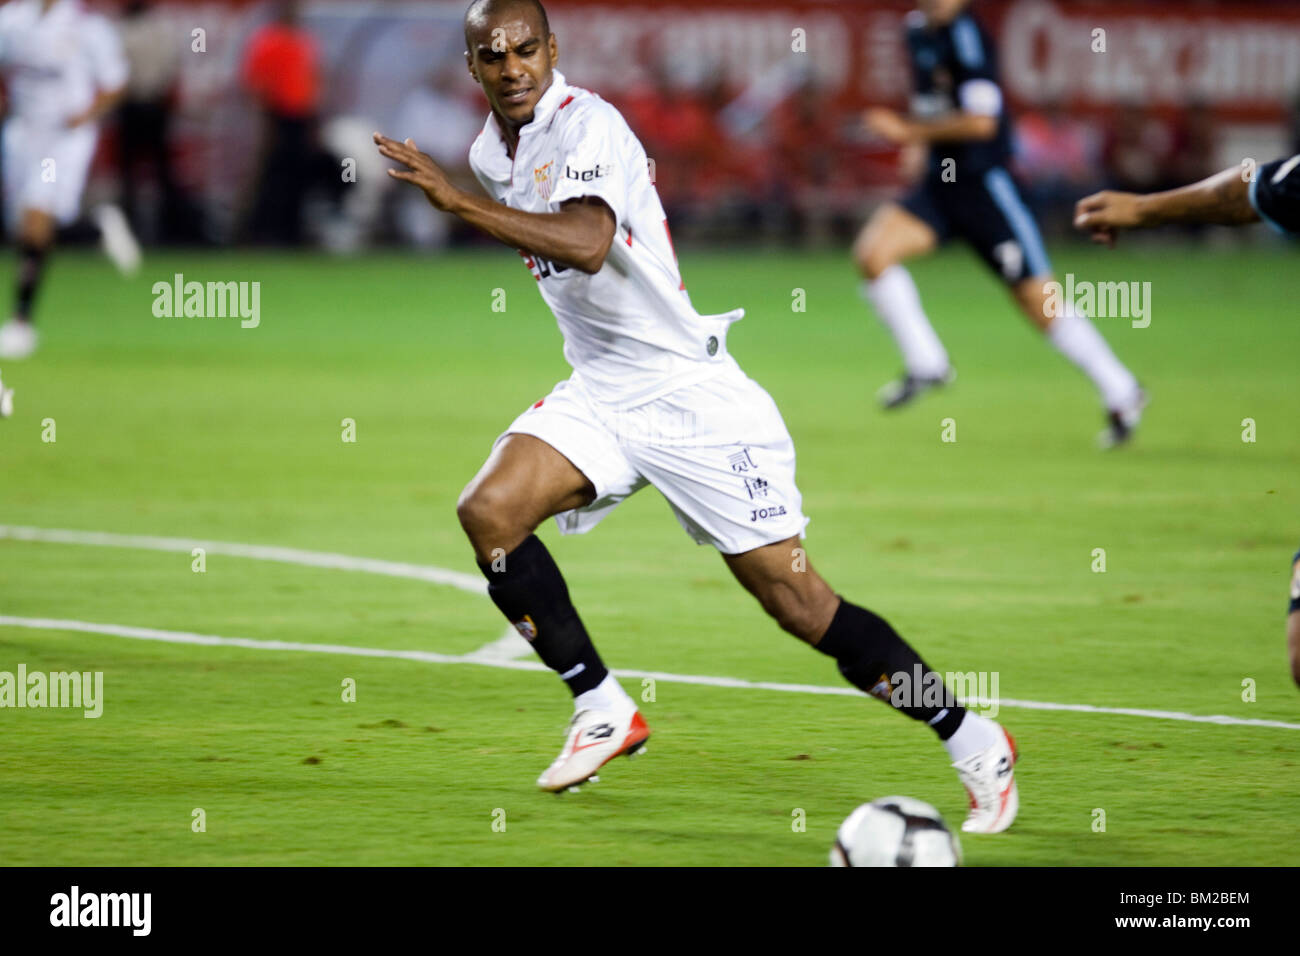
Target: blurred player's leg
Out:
[870,655]
[524,482]
[117,239]
[1293,621]
[1077,339]
[35,236]
[890,237]
[6,400]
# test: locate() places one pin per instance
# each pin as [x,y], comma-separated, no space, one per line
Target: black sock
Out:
[531,593]
[31,263]
[873,658]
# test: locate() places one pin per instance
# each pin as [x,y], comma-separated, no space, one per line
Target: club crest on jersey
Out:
[526,628]
[542,179]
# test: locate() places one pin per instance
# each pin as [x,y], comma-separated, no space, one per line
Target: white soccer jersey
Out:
[54,60]
[630,331]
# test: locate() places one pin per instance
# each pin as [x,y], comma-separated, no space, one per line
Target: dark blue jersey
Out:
[1275,194]
[944,60]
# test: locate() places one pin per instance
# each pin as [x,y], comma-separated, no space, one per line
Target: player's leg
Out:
[1293,621]
[1000,226]
[871,656]
[6,400]
[524,481]
[1293,644]
[1074,336]
[36,229]
[894,234]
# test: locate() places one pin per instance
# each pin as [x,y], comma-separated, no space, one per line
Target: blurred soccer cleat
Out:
[17,339]
[902,391]
[6,401]
[990,780]
[1121,423]
[595,738]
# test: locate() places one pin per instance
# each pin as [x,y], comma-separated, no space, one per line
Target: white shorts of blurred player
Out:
[718,451]
[45,169]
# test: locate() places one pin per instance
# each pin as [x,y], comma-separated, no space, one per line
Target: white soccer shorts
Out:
[718,451]
[46,169]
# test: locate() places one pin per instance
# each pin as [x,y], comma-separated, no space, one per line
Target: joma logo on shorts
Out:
[762,514]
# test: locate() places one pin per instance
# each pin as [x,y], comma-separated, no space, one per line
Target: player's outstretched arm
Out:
[579,235]
[1223,199]
[956,127]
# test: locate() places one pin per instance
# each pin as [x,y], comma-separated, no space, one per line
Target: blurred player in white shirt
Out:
[63,69]
[655,399]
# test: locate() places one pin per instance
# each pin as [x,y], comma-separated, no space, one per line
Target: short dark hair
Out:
[481,10]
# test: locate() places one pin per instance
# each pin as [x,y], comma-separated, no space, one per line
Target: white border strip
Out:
[211,640]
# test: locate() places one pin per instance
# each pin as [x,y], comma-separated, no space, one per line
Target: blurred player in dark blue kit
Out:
[1233,197]
[959,116]
[1293,620]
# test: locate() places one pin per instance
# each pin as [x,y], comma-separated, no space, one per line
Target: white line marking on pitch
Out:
[315,559]
[211,640]
[507,647]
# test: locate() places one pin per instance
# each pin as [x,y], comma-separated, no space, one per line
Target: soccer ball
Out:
[895,831]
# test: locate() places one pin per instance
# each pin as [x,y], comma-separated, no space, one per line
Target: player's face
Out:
[512,61]
[940,11]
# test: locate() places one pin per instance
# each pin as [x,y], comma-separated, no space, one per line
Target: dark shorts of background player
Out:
[985,209]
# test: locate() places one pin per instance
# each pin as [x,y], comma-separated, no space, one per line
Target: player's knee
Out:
[872,257]
[484,512]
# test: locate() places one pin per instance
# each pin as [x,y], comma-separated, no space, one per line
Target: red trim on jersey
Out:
[567,101]
[629,237]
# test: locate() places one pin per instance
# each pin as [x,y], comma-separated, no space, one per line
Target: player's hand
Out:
[889,125]
[420,170]
[1105,213]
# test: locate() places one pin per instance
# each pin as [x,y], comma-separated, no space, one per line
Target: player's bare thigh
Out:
[1033,298]
[780,576]
[892,235]
[523,482]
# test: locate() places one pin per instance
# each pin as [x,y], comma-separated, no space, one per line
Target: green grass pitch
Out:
[980,551]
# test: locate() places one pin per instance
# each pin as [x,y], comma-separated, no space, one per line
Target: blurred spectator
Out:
[437,116]
[280,71]
[155,59]
[1137,151]
[1295,122]
[1057,157]
[1194,149]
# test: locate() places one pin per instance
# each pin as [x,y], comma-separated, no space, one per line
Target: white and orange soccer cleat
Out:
[595,738]
[990,780]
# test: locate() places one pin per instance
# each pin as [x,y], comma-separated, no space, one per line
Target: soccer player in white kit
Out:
[655,399]
[64,69]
